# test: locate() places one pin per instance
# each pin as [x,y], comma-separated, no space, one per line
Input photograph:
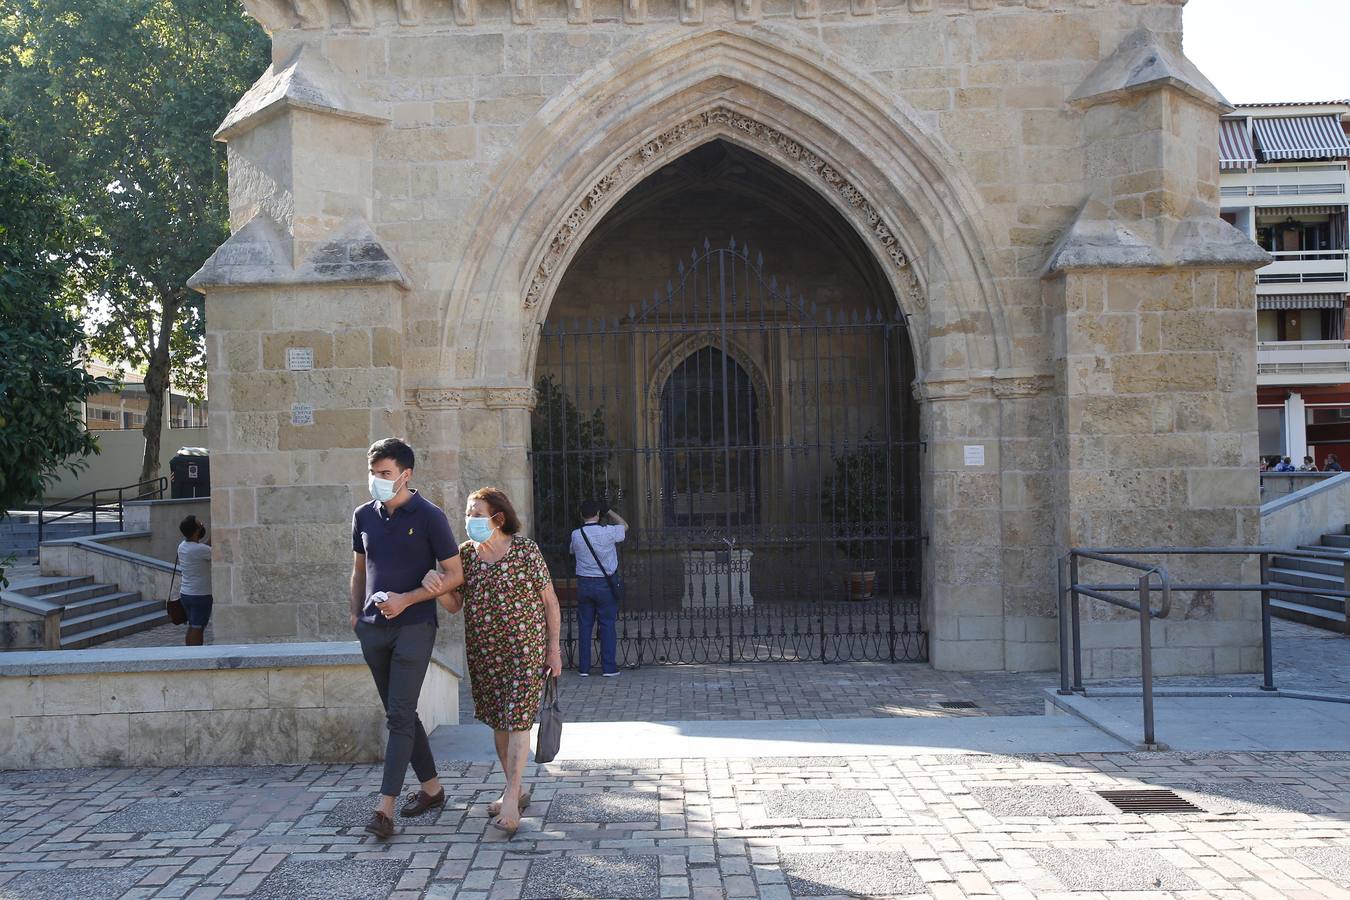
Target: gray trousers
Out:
[398,656]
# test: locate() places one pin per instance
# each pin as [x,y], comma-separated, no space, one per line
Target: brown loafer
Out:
[381,826]
[420,802]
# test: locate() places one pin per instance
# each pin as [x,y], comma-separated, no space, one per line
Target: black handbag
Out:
[550,722]
[609,580]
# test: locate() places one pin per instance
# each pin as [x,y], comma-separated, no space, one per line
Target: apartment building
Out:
[1284,183]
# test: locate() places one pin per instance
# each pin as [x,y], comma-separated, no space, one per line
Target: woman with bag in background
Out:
[512,630]
[194,561]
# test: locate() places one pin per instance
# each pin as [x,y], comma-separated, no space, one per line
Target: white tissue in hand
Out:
[377,597]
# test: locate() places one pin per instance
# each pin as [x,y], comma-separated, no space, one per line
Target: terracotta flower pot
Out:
[860,585]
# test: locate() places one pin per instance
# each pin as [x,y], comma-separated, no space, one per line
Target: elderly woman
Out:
[511,632]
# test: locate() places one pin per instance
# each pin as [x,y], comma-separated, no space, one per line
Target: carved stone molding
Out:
[651,153]
[1005,385]
[475,398]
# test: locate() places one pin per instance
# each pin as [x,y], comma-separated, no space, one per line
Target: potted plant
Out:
[855,504]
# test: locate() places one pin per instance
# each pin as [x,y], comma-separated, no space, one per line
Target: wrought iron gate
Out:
[760,450]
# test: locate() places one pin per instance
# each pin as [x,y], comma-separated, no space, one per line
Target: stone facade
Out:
[1035,179]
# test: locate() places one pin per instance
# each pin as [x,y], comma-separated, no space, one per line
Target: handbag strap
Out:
[608,580]
[550,691]
[173,577]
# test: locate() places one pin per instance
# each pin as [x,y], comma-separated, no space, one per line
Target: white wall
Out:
[119,461]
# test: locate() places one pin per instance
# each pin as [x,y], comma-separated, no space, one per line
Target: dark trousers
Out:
[398,656]
[596,602]
[198,609]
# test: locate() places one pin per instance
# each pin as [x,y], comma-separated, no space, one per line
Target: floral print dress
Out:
[505,634]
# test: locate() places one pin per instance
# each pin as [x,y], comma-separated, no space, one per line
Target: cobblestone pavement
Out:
[1267,825]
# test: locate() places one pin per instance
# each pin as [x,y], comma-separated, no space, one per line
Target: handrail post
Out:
[1345,601]
[1065,652]
[120,525]
[1267,650]
[93,513]
[1074,620]
[1146,655]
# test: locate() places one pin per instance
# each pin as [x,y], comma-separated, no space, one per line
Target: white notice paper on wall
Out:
[300,359]
[302,414]
[974,454]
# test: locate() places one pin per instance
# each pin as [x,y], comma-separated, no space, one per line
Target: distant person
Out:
[1285,465]
[595,545]
[1333,464]
[396,538]
[194,562]
[1309,465]
[1265,464]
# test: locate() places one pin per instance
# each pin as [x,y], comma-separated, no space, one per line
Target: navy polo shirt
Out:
[400,549]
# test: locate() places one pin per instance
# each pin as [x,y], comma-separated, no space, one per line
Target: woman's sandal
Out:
[509,832]
[495,807]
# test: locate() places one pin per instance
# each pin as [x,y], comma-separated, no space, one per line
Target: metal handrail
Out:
[1070,631]
[75,505]
[1071,647]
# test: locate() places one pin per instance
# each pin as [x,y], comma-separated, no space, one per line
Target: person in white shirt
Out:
[599,587]
[194,564]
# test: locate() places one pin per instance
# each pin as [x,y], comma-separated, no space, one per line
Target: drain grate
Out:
[958,704]
[1149,801]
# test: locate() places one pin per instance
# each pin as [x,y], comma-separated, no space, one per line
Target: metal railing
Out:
[111,503]
[1071,645]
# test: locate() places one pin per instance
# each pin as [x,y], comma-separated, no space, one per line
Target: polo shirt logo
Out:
[410,531]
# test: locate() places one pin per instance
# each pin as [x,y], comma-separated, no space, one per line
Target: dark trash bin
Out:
[190,473]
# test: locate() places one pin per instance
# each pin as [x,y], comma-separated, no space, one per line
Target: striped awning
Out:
[1235,145]
[1282,212]
[1302,301]
[1302,137]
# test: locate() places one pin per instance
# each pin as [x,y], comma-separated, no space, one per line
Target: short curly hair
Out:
[500,504]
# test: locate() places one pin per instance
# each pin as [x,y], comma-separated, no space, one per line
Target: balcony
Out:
[1302,362]
[1288,185]
[1296,268]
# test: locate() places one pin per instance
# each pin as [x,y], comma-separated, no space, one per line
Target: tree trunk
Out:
[157,383]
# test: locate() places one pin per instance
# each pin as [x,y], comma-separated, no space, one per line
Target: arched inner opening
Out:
[724,362]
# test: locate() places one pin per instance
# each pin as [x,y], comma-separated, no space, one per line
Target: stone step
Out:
[115,630]
[1318,601]
[1308,615]
[104,610]
[1299,564]
[1336,541]
[1304,578]
[46,584]
[70,595]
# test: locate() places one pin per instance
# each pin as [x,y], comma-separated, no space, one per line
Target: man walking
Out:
[396,539]
[595,546]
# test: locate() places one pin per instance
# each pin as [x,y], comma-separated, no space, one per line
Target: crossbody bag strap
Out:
[608,580]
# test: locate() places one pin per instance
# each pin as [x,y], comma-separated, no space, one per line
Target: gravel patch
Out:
[605,807]
[1042,800]
[1248,797]
[50,776]
[601,765]
[163,816]
[1331,862]
[1113,870]
[976,760]
[862,872]
[86,884]
[242,774]
[345,879]
[588,875]
[818,804]
[800,762]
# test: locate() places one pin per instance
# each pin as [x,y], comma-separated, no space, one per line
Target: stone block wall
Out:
[1002,161]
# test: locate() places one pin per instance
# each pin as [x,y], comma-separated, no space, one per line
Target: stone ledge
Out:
[172,659]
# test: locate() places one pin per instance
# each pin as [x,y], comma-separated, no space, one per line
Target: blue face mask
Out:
[479,528]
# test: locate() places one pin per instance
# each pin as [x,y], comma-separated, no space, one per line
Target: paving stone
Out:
[1331,862]
[801,762]
[794,803]
[593,875]
[50,776]
[1248,796]
[1112,870]
[1050,800]
[241,774]
[864,872]
[354,812]
[605,806]
[345,879]
[159,816]
[86,884]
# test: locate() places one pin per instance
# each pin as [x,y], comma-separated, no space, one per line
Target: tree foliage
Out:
[119,98]
[570,452]
[42,380]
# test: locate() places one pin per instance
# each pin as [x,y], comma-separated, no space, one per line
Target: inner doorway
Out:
[725,364]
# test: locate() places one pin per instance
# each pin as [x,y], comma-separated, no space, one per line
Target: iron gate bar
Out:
[749,408]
